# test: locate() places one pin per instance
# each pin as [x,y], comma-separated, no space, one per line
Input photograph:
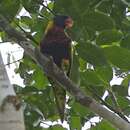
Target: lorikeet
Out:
[57,44]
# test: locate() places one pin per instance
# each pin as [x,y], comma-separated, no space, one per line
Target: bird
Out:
[58,44]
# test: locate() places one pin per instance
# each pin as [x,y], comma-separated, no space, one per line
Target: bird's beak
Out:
[69,23]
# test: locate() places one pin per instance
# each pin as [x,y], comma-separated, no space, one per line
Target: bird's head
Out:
[60,21]
[63,21]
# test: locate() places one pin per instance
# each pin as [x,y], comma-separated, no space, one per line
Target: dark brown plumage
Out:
[57,44]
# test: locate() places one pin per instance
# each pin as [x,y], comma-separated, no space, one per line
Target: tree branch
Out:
[94,91]
[54,72]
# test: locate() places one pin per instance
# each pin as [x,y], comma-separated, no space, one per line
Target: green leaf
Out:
[93,82]
[9,8]
[40,79]
[89,33]
[126,111]
[118,12]
[27,89]
[105,73]
[32,117]
[98,21]
[120,90]
[3,36]
[51,5]
[126,42]
[105,6]
[126,80]
[83,64]
[42,100]
[28,63]
[75,75]
[26,20]
[108,37]
[91,78]
[59,6]
[118,56]
[39,26]
[80,110]
[75,123]
[32,6]
[71,7]
[123,102]
[109,100]
[125,25]
[103,125]
[92,54]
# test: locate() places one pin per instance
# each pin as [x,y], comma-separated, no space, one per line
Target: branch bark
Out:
[11,115]
[54,72]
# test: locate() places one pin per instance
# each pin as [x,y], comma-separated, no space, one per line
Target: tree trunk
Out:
[11,114]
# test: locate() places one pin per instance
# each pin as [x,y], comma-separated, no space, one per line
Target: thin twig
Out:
[51,11]
[13,62]
[27,34]
[114,100]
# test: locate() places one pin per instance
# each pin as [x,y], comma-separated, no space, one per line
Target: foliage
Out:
[102,35]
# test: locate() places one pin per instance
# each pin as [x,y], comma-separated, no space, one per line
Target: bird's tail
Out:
[60,98]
